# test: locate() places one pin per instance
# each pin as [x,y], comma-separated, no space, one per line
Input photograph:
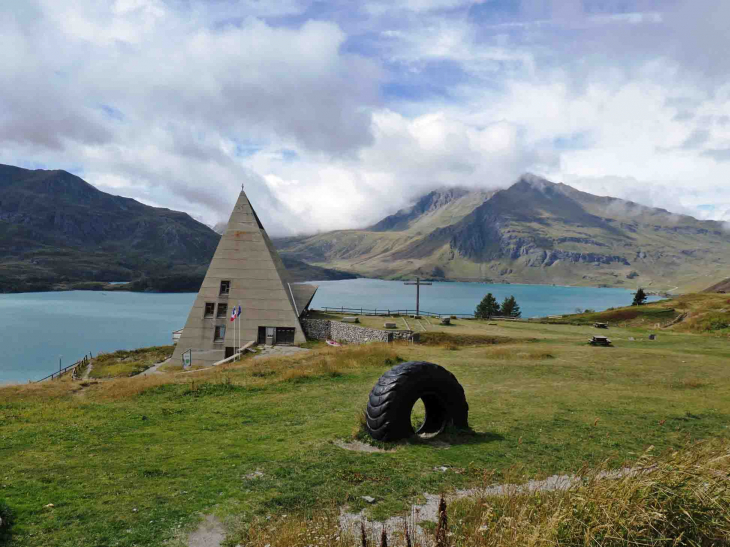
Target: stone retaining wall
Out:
[324,329]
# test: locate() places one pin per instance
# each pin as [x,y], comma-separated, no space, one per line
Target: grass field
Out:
[138,461]
[124,363]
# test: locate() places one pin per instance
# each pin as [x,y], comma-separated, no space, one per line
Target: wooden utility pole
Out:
[418,284]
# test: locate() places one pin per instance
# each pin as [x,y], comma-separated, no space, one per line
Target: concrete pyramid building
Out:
[245,271]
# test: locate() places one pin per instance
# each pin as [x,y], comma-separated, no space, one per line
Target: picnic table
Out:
[599,341]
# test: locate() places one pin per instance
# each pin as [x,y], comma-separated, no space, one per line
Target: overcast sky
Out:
[334,114]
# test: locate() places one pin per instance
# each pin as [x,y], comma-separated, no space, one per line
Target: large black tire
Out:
[395,393]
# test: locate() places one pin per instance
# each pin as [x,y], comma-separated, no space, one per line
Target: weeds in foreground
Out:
[681,498]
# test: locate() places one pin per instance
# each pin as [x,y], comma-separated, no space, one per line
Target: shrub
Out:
[6,522]
[718,324]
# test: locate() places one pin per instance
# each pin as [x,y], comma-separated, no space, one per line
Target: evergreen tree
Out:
[510,308]
[639,298]
[487,307]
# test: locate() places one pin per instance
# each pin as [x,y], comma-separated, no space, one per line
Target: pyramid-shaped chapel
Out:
[245,271]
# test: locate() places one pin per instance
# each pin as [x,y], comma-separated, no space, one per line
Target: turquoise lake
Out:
[37,328]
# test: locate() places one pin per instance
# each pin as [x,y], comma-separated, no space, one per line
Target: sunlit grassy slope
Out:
[698,313]
[124,363]
[136,461]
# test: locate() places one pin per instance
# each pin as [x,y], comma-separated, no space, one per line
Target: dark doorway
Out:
[229,352]
[284,335]
[262,336]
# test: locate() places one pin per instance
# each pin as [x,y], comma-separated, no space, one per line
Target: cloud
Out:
[718,154]
[409,157]
[335,114]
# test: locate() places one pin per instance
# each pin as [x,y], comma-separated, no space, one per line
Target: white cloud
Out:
[334,115]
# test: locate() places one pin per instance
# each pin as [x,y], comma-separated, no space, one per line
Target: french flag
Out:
[234,314]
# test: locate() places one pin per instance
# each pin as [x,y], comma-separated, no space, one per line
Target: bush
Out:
[6,522]
[718,324]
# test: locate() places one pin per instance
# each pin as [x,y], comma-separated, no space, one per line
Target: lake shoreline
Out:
[42,328]
[134,286]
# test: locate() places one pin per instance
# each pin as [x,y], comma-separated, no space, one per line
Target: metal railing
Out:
[386,312]
[84,361]
[389,313]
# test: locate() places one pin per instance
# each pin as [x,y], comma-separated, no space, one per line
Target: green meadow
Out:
[141,460]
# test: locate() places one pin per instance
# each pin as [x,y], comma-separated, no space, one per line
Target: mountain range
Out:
[535,231]
[58,231]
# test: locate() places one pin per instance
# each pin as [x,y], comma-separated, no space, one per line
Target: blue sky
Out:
[335,114]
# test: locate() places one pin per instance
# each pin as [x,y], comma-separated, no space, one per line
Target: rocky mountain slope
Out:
[57,230]
[535,231]
[721,287]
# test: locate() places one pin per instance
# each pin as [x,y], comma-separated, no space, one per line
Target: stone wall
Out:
[323,329]
[316,329]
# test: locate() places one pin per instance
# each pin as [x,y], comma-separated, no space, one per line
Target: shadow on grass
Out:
[6,523]
[454,436]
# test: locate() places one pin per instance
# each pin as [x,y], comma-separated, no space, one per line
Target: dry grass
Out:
[327,362]
[321,530]
[690,383]
[681,498]
[455,341]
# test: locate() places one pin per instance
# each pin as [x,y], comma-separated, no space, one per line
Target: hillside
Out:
[721,287]
[535,231]
[58,231]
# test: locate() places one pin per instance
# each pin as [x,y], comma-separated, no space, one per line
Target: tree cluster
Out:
[639,298]
[489,307]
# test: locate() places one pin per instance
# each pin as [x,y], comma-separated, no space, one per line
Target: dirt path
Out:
[153,368]
[87,371]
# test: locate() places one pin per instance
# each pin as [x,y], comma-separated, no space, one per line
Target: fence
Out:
[389,312]
[64,370]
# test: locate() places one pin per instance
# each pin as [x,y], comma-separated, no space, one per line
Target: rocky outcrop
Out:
[553,256]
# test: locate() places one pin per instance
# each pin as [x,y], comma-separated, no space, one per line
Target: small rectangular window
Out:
[209,309]
[225,287]
[220,333]
[222,311]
